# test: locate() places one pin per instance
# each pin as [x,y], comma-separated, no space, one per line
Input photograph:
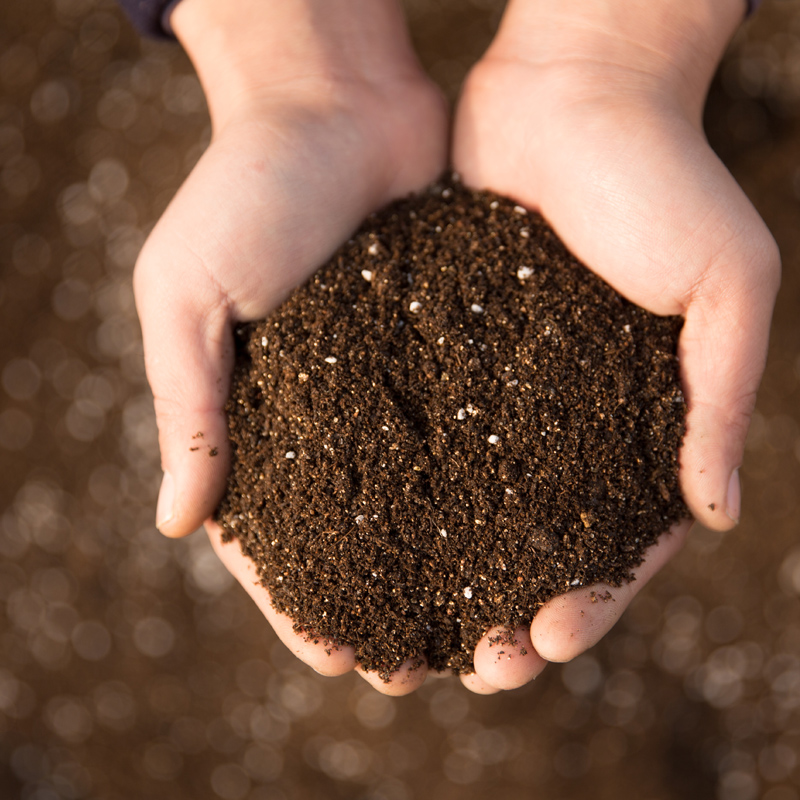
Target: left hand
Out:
[593,117]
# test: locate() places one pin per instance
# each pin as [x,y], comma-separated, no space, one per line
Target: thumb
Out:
[188,350]
[723,348]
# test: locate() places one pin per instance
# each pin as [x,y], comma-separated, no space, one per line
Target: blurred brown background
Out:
[131,666]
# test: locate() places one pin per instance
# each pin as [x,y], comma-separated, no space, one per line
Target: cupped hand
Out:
[600,130]
[305,146]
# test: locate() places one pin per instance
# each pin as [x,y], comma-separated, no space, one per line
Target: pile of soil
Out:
[450,423]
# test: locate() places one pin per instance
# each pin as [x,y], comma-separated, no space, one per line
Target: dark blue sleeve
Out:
[148,16]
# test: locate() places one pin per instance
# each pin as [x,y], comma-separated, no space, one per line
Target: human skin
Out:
[321,113]
[590,111]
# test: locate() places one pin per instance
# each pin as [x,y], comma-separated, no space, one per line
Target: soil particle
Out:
[477,423]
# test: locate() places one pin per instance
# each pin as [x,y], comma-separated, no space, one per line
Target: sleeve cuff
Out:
[151,17]
[752,6]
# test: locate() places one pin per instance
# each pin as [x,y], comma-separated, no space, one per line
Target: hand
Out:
[321,115]
[592,115]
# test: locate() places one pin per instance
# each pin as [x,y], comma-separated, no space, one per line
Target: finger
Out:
[477,685]
[662,221]
[507,659]
[188,356]
[571,623]
[325,657]
[723,349]
[405,680]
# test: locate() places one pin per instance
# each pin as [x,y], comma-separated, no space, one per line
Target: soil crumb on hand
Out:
[453,421]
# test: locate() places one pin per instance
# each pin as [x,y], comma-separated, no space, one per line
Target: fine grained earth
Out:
[450,423]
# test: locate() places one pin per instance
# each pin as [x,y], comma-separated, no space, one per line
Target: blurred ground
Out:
[130,666]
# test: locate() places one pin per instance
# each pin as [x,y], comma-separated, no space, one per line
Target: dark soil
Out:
[693,694]
[451,423]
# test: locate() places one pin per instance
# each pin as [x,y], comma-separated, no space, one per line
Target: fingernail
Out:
[166,498]
[733,502]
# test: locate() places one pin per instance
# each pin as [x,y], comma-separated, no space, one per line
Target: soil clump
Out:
[451,422]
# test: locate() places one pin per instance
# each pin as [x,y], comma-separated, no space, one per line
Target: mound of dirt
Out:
[453,421]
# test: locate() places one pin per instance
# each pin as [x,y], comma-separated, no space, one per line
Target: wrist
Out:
[664,46]
[245,50]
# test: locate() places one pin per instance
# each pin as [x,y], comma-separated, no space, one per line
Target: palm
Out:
[630,184]
[274,195]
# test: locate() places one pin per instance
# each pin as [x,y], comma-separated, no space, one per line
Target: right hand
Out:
[321,114]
